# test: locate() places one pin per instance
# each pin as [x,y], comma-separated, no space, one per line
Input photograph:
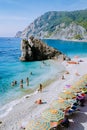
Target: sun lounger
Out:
[72,62]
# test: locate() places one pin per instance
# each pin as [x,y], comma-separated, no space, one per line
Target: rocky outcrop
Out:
[36,50]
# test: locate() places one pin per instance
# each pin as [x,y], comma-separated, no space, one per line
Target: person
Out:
[31,73]
[40,89]
[0,123]
[12,83]
[80,99]
[38,101]
[27,81]
[15,82]
[21,83]
[67,72]
[65,122]
[63,77]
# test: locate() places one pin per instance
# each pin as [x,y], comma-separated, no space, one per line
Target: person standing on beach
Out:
[27,81]
[40,89]
[21,83]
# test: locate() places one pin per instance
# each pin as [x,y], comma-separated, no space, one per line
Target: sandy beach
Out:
[26,109]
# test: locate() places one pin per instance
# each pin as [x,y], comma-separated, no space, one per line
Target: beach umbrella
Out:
[78,82]
[73,89]
[79,85]
[84,77]
[84,90]
[67,95]
[84,82]
[38,125]
[60,104]
[72,101]
[53,115]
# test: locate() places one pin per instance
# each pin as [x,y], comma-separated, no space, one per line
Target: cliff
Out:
[35,50]
[58,25]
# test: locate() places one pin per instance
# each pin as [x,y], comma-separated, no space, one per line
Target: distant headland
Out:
[64,25]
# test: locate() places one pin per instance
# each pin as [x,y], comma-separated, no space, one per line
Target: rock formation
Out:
[36,50]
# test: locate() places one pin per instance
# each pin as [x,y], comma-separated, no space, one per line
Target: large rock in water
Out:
[35,50]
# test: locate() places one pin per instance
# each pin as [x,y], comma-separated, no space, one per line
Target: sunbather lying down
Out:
[39,101]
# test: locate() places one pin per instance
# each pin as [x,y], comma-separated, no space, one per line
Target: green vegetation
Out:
[55,18]
[78,36]
[55,21]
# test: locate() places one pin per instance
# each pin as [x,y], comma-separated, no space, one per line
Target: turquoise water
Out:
[69,48]
[11,68]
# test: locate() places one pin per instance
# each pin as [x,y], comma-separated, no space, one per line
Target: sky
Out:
[16,15]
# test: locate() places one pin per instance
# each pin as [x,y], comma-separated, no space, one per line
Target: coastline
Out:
[64,39]
[26,109]
[7,107]
[74,40]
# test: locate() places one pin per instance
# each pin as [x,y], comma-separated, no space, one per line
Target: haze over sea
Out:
[11,68]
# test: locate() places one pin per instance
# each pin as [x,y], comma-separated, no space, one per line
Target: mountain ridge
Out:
[58,25]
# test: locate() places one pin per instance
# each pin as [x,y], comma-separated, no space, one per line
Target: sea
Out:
[12,69]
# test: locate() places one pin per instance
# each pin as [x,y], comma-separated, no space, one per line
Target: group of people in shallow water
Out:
[14,83]
[21,82]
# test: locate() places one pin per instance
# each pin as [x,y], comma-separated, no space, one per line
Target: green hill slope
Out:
[59,25]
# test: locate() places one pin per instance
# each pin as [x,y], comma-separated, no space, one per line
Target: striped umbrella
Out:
[60,104]
[38,125]
[84,77]
[79,84]
[84,90]
[67,95]
[71,101]
[53,115]
[74,89]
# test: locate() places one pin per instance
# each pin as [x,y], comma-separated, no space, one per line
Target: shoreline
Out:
[29,92]
[72,40]
[27,109]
